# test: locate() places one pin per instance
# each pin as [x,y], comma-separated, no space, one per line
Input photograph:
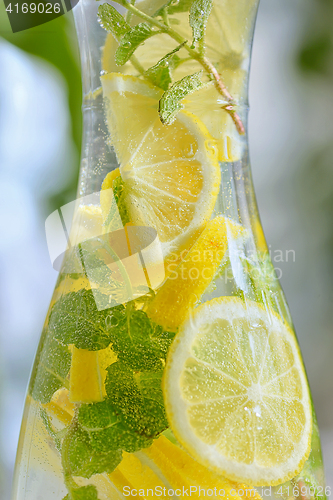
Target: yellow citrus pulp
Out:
[187,282]
[236,392]
[164,463]
[88,374]
[226,46]
[171,173]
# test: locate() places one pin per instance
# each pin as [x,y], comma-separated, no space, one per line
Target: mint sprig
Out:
[170,102]
[174,7]
[52,367]
[199,14]
[118,191]
[107,430]
[161,73]
[83,493]
[199,11]
[85,460]
[132,414]
[142,413]
[131,40]
[112,21]
[75,319]
[138,342]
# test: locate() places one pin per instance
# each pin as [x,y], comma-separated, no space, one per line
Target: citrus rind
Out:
[229,454]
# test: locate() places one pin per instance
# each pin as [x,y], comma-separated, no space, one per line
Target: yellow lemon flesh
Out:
[88,374]
[187,282]
[171,173]
[88,368]
[228,30]
[180,469]
[105,198]
[163,464]
[236,393]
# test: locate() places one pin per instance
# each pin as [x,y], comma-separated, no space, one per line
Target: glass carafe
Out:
[168,364]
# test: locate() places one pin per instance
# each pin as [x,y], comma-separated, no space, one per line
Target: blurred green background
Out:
[56,43]
[291,131]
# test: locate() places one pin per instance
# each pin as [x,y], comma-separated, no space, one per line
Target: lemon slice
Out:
[206,103]
[180,470]
[171,173]
[228,31]
[187,282]
[105,197]
[236,393]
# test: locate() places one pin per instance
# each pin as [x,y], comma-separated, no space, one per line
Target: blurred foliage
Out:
[316,52]
[315,59]
[56,43]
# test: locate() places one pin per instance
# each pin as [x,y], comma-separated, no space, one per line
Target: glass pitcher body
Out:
[168,364]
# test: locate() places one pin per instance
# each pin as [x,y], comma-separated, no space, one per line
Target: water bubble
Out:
[127,45]
[189,152]
[108,321]
[211,147]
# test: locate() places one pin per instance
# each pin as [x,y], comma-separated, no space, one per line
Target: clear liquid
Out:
[56,451]
[39,463]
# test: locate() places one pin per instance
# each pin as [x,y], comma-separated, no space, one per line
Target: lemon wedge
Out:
[187,282]
[181,470]
[88,374]
[171,173]
[236,393]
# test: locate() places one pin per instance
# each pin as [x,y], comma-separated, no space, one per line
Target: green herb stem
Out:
[210,68]
[198,56]
[165,18]
[68,476]
[129,13]
[140,69]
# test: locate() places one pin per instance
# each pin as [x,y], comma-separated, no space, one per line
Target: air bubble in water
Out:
[108,321]
[211,147]
[189,152]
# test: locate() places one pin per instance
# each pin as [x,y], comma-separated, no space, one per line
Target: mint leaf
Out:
[51,368]
[141,413]
[83,493]
[49,428]
[150,386]
[199,14]
[160,73]
[138,342]
[131,41]
[170,105]
[75,319]
[174,6]
[85,461]
[96,255]
[118,191]
[180,6]
[107,430]
[110,19]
